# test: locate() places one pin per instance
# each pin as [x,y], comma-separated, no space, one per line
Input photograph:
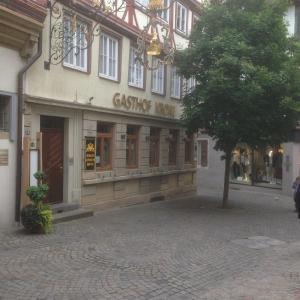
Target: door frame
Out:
[72,159]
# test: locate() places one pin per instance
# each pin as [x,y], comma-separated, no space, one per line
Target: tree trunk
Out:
[226,180]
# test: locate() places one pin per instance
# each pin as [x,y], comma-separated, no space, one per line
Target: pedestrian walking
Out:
[295,188]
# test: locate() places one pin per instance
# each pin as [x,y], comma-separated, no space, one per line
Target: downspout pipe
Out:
[20,106]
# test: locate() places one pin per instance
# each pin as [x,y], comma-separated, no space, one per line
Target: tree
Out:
[248,79]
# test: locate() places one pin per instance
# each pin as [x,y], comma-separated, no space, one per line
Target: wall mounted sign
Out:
[4,157]
[90,153]
[142,105]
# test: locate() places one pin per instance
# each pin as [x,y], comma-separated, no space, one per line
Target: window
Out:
[164,13]
[190,84]
[75,44]
[104,146]
[154,147]
[4,113]
[108,57]
[297,22]
[181,18]
[136,70]
[175,84]
[143,2]
[202,151]
[188,148]
[195,20]
[158,78]
[132,147]
[173,146]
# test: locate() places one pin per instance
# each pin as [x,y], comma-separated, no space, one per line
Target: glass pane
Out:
[98,147]
[4,113]
[106,154]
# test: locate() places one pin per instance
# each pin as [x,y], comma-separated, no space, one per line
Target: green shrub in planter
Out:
[36,217]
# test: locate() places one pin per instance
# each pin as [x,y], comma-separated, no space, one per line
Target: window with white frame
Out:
[158,78]
[164,13]
[143,2]
[190,84]
[175,83]
[108,57]
[136,70]
[181,17]
[75,44]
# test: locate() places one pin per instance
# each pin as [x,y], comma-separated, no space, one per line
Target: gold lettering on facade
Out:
[142,105]
[165,109]
[131,103]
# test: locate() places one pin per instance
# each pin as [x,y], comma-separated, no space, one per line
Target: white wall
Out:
[291,166]
[10,64]
[212,176]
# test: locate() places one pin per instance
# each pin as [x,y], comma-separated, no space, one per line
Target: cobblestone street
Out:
[183,249]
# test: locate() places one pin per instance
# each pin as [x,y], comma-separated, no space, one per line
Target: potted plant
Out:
[36,217]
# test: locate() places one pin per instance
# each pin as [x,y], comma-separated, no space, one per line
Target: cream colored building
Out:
[104,129]
[21,23]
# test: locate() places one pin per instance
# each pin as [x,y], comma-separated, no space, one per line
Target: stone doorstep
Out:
[72,215]
[63,207]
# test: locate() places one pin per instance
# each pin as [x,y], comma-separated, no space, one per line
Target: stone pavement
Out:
[183,249]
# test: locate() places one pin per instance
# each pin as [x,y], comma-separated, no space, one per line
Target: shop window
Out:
[175,83]
[158,78]
[202,153]
[108,57]
[181,18]
[132,147]
[154,146]
[136,70]
[75,44]
[4,113]
[104,146]
[188,150]
[173,137]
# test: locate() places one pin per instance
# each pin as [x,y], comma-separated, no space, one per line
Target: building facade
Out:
[103,128]
[21,23]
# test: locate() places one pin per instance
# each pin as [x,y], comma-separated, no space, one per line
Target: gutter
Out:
[20,125]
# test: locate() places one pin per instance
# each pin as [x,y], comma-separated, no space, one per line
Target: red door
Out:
[52,160]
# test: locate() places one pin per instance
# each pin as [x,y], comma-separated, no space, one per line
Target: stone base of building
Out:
[136,191]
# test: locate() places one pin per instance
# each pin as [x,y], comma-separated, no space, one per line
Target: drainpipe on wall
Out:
[20,124]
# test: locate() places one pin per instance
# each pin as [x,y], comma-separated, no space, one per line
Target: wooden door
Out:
[52,160]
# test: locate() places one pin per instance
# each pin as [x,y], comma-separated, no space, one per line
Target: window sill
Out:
[137,176]
[136,87]
[176,98]
[181,33]
[108,78]
[73,68]
[158,94]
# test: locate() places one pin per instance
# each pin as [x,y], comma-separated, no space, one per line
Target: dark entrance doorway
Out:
[52,129]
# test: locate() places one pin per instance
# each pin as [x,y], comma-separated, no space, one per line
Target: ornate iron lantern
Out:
[156,39]
[69,35]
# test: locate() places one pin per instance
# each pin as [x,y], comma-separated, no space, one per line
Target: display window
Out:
[259,166]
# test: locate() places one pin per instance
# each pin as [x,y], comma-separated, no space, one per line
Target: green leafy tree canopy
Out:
[247,72]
